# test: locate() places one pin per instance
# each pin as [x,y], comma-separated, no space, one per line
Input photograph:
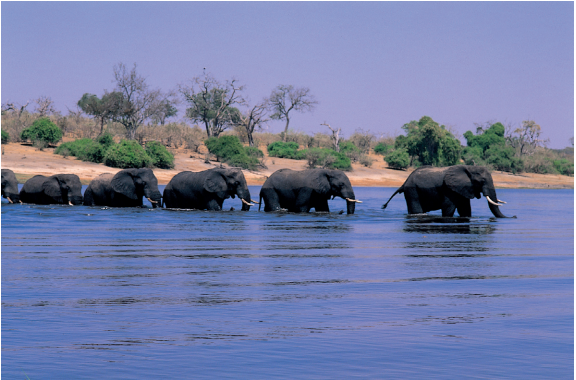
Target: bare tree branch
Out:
[286,98]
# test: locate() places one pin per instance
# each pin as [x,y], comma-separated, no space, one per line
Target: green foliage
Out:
[283,149]
[230,150]
[564,166]
[502,158]
[473,156]
[327,158]
[127,154]
[5,137]
[382,148]
[398,159]
[490,137]
[348,147]
[42,130]
[431,142]
[160,156]
[106,140]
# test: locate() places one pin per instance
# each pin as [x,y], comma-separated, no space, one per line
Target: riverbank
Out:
[27,161]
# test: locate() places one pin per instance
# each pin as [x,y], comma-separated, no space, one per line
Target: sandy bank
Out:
[27,161]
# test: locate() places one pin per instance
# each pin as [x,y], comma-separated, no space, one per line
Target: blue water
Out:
[96,293]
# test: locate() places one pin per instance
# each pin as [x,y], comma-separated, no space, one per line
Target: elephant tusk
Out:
[151,201]
[353,200]
[246,203]
[499,201]
[253,201]
[70,203]
[10,200]
[492,202]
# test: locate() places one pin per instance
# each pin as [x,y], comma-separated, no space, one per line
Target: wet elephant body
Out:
[301,191]
[10,186]
[207,190]
[56,189]
[448,189]
[123,189]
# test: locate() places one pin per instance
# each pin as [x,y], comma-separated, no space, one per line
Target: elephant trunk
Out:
[75,199]
[490,194]
[12,197]
[244,195]
[350,207]
[154,197]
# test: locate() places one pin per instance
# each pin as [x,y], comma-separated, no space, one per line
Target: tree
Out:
[287,98]
[527,138]
[102,110]
[167,109]
[210,102]
[44,106]
[138,103]
[335,137]
[253,118]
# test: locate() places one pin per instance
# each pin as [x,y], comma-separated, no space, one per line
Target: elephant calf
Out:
[123,189]
[448,189]
[10,186]
[57,189]
[207,190]
[300,191]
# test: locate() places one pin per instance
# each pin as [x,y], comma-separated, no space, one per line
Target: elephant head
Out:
[473,182]
[334,183]
[226,183]
[63,188]
[10,186]
[137,183]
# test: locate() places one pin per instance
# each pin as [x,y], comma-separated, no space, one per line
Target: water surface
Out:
[92,292]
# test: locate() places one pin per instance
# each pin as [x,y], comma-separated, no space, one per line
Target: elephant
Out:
[448,189]
[299,191]
[123,189]
[10,186]
[56,189]
[207,190]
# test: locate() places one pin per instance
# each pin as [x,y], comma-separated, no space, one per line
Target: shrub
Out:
[42,130]
[75,148]
[254,152]
[327,158]
[127,154]
[160,156]
[382,148]
[106,140]
[366,160]
[84,149]
[398,159]
[243,161]
[350,150]
[224,147]
[502,158]
[564,166]
[5,137]
[283,149]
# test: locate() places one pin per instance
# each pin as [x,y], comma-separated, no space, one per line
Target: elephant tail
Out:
[399,191]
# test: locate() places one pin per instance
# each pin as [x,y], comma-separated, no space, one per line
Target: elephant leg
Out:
[413,201]
[321,205]
[464,208]
[88,198]
[271,200]
[448,207]
[213,205]
[303,200]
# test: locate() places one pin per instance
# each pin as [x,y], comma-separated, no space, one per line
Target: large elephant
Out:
[57,189]
[448,189]
[10,186]
[123,189]
[300,191]
[207,190]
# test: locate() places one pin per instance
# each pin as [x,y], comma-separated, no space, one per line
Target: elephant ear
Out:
[123,183]
[458,179]
[215,183]
[323,183]
[51,187]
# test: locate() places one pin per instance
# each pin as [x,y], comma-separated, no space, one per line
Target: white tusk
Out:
[491,201]
[499,201]
[253,201]
[10,200]
[151,201]
[353,200]
[70,203]
[246,203]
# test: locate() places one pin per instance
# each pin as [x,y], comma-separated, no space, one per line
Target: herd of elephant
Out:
[426,189]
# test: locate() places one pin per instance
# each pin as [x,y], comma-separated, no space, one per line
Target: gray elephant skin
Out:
[123,189]
[448,189]
[207,190]
[10,186]
[56,189]
[300,191]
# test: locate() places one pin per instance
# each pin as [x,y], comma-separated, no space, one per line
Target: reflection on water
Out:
[142,293]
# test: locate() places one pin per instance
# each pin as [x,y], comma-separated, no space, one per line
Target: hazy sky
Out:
[373,65]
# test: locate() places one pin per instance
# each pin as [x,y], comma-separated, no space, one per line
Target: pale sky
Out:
[371,65]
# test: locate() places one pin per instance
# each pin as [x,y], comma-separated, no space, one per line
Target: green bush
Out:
[230,150]
[106,140]
[502,158]
[5,137]
[350,150]
[382,148]
[252,151]
[564,166]
[75,148]
[473,156]
[127,154]
[283,149]
[161,157]
[398,159]
[42,130]
[243,161]
[327,158]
